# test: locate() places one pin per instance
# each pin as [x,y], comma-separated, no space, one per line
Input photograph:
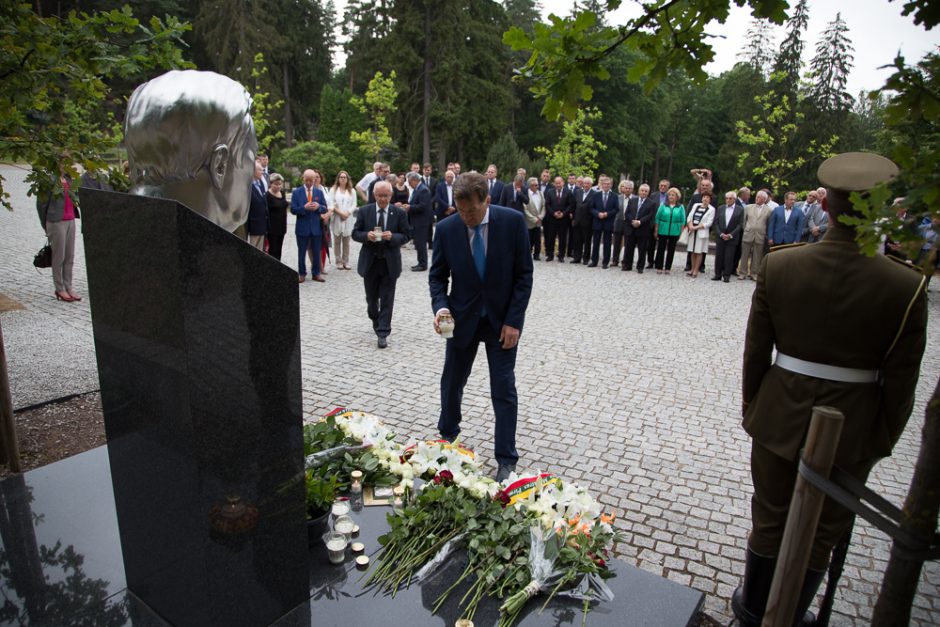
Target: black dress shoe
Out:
[561,260]
[649,266]
[605,266]
[626,269]
[383,342]
[716,278]
[536,258]
[549,259]
[592,265]
[575,261]
[503,471]
[419,268]
[725,279]
[639,270]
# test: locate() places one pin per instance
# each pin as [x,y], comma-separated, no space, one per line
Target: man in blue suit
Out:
[444,196]
[482,255]
[515,196]
[604,211]
[493,184]
[786,222]
[419,216]
[308,204]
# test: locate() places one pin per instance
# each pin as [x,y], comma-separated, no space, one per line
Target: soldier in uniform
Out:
[861,356]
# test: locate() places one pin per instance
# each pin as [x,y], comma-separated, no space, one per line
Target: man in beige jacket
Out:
[754,237]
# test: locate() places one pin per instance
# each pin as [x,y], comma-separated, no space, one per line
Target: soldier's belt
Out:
[825,371]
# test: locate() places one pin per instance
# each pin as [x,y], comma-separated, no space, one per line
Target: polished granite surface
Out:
[197,337]
[69,505]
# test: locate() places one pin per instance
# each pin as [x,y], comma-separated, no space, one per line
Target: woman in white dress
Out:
[342,201]
[699,223]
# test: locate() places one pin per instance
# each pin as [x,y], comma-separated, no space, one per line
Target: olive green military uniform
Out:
[827,303]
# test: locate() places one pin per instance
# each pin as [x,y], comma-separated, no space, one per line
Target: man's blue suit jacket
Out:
[507,277]
[308,222]
[781,232]
[611,208]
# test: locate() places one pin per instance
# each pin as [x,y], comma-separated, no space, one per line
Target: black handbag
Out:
[43,258]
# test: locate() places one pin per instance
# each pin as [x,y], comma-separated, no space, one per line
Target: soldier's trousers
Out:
[774,478]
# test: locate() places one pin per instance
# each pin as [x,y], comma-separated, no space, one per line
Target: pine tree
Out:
[758,51]
[830,68]
[789,59]
[366,26]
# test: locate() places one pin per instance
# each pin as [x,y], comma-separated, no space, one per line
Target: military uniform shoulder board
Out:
[907,264]
[783,246]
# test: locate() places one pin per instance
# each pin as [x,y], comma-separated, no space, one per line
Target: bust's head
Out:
[189,136]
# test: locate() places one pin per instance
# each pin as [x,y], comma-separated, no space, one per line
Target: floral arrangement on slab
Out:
[533,534]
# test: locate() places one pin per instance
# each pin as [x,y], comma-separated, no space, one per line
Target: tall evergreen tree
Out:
[232,32]
[366,26]
[831,66]
[758,48]
[789,59]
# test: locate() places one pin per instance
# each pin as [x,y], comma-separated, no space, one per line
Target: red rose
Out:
[502,497]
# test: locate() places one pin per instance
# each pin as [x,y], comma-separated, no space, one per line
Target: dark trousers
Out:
[666,251]
[651,252]
[556,228]
[596,246]
[421,245]
[724,257]
[639,243]
[502,364]
[535,242]
[314,243]
[618,244]
[275,244]
[737,255]
[581,248]
[380,297]
[774,478]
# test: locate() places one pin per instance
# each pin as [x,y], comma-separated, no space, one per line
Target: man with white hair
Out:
[753,237]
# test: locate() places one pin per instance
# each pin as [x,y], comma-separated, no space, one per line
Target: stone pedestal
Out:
[198,348]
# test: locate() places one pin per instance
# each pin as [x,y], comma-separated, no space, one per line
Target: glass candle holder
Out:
[340,508]
[336,547]
[344,525]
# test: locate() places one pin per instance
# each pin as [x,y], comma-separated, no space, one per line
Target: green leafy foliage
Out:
[377,103]
[323,156]
[57,106]
[577,149]
[263,111]
[338,119]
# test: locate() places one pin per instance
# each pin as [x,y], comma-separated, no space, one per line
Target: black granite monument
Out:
[197,340]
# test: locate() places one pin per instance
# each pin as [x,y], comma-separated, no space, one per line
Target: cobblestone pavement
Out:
[628,384]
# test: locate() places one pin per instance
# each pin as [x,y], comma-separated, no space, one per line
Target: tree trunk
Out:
[288,119]
[656,176]
[426,103]
[9,447]
[918,518]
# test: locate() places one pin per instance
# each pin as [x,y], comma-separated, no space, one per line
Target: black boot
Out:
[750,598]
[805,618]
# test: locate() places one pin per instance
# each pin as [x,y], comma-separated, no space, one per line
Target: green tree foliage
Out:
[789,59]
[322,156]
[830,68]
[770,153]
[339,117]
[508,157]
[567,53]
[366,26]
[378,102]
[263,111]
[53,74]
[577,149]
[233,31]
[758,47]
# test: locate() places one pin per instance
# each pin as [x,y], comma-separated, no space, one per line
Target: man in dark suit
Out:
[559,205]
[427,179]
[493,184]
[483,256]
[383,173]
[419,217]
[444,197]
[625,190]
[603,213]
[861,355]
[638,228]
[515,196]
[729,221]
[257,226]
[785,224]
[382,229]
[545,181]
[308,203]
[582,221]
[659,198]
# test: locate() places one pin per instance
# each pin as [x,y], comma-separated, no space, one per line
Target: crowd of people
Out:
[570,218]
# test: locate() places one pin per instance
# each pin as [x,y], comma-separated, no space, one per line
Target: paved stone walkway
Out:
[628,384]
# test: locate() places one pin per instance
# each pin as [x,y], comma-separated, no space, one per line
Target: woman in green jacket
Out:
[670,219]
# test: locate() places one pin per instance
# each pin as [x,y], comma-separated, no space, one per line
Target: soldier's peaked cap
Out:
[856,171]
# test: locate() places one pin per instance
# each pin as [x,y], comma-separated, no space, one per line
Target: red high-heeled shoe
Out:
[74,297]
[65,297]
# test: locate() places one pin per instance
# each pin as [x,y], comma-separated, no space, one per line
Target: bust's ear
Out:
[218,163]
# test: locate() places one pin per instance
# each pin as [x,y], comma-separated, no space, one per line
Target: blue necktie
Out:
[479,252]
